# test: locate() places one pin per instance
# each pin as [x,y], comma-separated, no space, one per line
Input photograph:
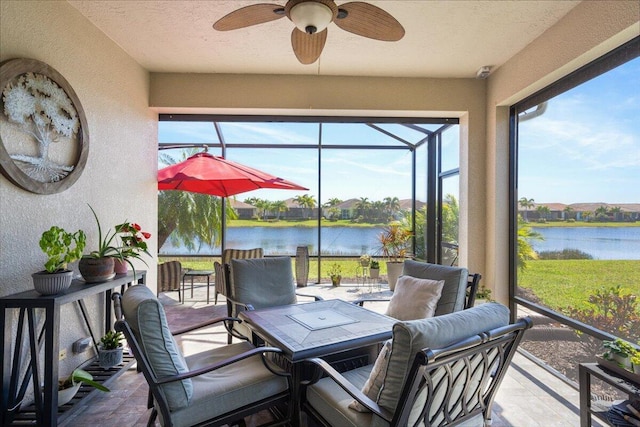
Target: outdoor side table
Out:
[19,367]
[197,273]
[620,381]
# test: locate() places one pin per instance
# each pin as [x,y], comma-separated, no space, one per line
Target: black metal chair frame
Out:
[454,409]
[280,400]
[470,299]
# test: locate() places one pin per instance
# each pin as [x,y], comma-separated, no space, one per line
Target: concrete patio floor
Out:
[529,396]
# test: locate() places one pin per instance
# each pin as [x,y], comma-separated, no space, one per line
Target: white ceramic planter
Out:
[65,396]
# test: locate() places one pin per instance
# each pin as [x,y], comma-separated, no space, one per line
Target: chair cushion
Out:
[332,402]
[371,387]
[263,282]
[455,283]
[412,336]
[414,298]
[229,388]
[145,315]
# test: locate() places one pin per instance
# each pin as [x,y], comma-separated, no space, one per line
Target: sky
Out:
[584,148]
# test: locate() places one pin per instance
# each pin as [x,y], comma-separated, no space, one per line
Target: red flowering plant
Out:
[133,241]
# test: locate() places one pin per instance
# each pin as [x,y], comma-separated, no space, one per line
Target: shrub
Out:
[564,254]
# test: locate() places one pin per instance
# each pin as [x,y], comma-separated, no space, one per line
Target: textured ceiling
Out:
[443,38]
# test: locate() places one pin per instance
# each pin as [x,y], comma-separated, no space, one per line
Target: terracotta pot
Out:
[96,270]
[120,267]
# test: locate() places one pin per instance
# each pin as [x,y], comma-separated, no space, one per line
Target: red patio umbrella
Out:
[217,176]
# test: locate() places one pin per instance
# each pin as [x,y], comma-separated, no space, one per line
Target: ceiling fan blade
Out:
[369,21]
[249,15]
[308,47]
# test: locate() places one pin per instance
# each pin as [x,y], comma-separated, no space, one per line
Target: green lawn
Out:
[563,283]
[565,224]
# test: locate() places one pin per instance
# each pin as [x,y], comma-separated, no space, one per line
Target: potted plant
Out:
[619,351]
[133,246]
[99,265]
[394,241]
[635,361]
[110,349]
[374,269]
[61,248]
[335,272]
[365,260]
[68,387]
[483,295]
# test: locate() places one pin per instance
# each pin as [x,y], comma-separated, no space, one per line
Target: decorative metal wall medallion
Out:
[44,137]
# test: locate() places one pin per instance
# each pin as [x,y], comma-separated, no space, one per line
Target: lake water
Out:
[599,242]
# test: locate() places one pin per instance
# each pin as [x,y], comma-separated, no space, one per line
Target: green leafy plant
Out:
[374,264]
[111,340]
[61,248]
[79,375]
[483,293]
[125,241]
[635,358]
[618,346]
[335,270]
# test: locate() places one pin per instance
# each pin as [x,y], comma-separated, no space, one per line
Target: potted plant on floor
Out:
[394,241]
[335,272]
[110,349]
[61,248]
[68,387]
[374,269]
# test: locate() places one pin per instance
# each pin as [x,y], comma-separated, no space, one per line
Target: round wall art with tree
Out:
[44,137]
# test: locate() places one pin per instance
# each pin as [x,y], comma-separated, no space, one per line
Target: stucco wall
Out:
[119,179]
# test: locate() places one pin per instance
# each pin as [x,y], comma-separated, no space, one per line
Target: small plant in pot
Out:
[335,272]
[619,351]
[374,269]
[61,248]
[110,349]
[68,387]
[635,361]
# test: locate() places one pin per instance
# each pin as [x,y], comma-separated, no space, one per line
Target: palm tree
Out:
[279,206]
[568,210]
[306,202]
[392,205]
[525,250]
[264,206]
[363,206]
[526,204]
[602,213]
[543,211]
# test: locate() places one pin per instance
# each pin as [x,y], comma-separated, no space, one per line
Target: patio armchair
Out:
[215,387]
[458,290]
[227,256]
[444,370]
[259,283]
[170,277]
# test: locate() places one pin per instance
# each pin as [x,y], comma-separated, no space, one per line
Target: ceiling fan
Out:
[311,18]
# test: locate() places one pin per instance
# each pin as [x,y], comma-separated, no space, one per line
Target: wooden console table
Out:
[16,375]
[620,381]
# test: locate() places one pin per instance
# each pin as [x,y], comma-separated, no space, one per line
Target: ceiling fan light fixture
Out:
[311,16]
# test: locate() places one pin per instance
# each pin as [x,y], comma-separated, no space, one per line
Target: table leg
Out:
[183,294]
[584,380]
[208,288]
[192,287]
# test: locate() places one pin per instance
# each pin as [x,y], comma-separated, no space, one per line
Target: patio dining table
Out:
[332,329]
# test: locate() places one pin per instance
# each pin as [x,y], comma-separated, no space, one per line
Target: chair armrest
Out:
[315,297]
[205,324]
[248,307]
[221,364]
[361,301]
[344,384]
